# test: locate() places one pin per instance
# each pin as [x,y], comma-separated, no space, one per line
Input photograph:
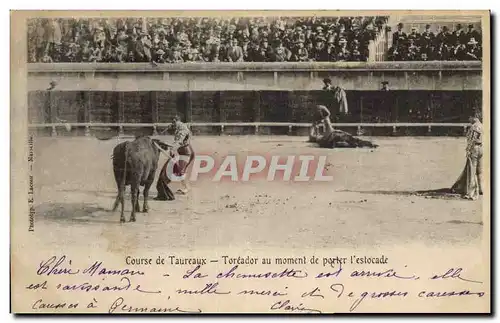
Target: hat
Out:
[459,26]
[298,28]
[477,113]
[413,28]
[319,28]
[471,26]
[427,26]
[472,41]
[52,85]
[327,80]
[400,24]
[384,82]
[342,41]
[160,51]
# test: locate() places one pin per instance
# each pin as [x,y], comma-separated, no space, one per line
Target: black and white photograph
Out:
[298,132]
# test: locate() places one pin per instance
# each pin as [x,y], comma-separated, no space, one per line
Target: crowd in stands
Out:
[174,40]
[445,45]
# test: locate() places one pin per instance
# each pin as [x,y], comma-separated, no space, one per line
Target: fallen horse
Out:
[333,138]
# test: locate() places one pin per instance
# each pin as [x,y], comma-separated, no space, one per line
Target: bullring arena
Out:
[369,202]
[374,196]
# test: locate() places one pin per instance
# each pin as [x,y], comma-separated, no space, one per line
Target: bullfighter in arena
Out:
[322,113]
[469,182]
[321,116]
[181,145]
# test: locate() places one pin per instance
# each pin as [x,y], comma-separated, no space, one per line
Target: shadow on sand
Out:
[442,193]
[91,192]
[464,222]
[76,212]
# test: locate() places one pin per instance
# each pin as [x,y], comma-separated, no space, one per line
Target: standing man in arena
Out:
[181,145]
[321,113]
[469,184]
[335,96]
[321,116]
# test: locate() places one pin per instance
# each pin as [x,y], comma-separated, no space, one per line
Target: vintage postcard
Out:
[277,162]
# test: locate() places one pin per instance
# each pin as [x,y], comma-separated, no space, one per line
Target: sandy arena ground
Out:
[367,203]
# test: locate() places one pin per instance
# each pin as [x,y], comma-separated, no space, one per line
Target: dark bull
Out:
[135,163]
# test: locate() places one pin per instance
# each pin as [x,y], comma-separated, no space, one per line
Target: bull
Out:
[135,163]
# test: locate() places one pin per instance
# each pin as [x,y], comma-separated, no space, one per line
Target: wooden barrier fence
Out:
[256,125]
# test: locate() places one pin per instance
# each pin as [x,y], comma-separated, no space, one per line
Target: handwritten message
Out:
[304,284]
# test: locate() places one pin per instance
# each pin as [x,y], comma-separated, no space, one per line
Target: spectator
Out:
[176,55]
[300,53]
[234,52]
[443,37]
[471,33]
[399,36]
[427,38]
[265,53]
[343,54]
[460,36]
[160,56]
[143,48]
[355,53]
[244,46]
[473,52]
[320,53]
[414,35]
[281,54]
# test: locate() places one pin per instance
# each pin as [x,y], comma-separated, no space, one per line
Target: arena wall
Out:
[441,92]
